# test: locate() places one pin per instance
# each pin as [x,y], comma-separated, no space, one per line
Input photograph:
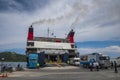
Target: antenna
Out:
[48,31]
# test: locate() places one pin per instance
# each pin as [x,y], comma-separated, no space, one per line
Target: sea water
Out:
[14,64]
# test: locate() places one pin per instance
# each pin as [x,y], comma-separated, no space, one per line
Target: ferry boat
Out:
[49,49]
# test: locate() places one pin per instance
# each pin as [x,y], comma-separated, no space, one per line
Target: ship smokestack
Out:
[70,36]
[30,33]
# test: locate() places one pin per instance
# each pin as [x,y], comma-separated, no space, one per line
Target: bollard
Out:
[6,75]
[3,75]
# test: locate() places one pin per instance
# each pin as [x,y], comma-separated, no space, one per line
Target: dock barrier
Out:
[4,75]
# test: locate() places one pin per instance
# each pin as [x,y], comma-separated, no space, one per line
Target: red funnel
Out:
[30,33]
[70,36]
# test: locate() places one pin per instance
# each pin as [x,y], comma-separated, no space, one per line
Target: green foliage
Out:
[12,57]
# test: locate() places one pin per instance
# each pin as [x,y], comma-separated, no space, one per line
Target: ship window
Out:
[32,60]
[72,46]
[84,58]
[30,43]
[104,58]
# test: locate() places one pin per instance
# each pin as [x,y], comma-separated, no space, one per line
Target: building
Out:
[54,49]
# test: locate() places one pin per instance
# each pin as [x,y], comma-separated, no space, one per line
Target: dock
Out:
[64,73]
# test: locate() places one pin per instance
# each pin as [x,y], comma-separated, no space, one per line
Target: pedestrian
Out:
[94,65]
[38,65]
[91,66]
[97,66]
[115,66]
[111,64]
[68,62]
[3,68]
[18,66]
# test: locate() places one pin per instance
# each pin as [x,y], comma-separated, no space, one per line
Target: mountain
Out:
[12,57]
[16,50]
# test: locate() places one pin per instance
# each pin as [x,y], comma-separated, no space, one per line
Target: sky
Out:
[96,23]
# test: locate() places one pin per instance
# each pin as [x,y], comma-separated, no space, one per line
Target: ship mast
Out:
[48,31]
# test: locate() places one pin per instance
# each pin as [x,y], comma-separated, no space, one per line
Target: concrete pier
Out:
[64,73]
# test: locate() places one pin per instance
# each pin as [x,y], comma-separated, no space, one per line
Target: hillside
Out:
[12,57]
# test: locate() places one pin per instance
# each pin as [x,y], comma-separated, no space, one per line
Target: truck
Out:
[75,61]
[103,60]
[33,60]
[117,61]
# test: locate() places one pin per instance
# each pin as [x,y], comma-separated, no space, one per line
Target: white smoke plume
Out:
[48,21]
[78,9]
[81,13]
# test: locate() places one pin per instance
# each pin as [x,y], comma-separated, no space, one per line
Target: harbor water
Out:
[13,64]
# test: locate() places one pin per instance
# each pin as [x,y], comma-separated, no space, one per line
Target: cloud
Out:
[99,34]
[102,23]
[93,20]
[13,28]
[22,5]
[97,44]
[107,50]
[64,12]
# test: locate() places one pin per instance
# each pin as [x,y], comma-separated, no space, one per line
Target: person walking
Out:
[115,66]
[38,65]
[18,66]
[111,64]
[91,66]
[94,65]
[68,62]
[97,65]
